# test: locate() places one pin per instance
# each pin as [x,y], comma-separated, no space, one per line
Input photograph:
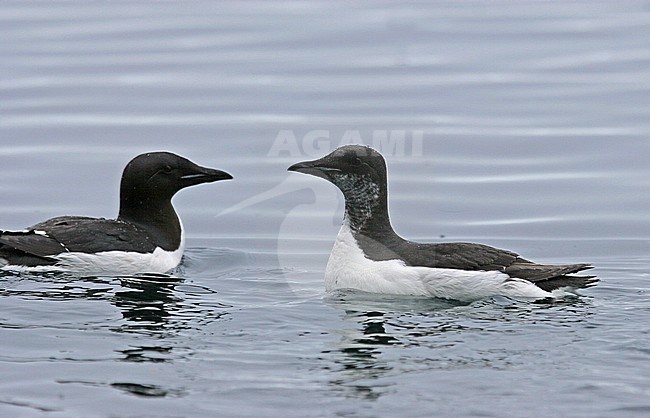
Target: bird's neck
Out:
[156,216]
[371,228]
[366,209]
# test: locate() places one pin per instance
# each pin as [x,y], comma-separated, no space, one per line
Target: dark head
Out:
[150,181]
[360,172]
[357,161]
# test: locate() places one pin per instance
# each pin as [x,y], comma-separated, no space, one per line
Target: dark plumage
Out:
[146,219]
[360,173]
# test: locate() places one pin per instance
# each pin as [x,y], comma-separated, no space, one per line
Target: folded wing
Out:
[467,256]
[38,244]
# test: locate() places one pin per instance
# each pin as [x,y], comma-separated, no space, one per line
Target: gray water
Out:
[519,125]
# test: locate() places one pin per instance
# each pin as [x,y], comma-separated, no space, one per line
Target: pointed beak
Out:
[201,175]
[316,168]
[302,167]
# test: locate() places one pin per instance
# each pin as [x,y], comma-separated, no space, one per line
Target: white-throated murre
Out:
[368,255]
[146,237]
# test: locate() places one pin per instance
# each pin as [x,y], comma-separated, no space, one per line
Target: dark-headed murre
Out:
[146,237]
[368,255]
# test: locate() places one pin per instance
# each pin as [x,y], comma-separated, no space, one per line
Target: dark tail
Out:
[575,282]
[550,277]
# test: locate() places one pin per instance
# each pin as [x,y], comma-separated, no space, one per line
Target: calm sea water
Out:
[520,125]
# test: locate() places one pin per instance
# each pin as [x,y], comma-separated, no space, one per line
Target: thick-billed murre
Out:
[368,254]
[146,237]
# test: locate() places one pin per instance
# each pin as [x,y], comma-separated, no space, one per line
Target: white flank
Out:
[348,268]
[111,262]
[120,262]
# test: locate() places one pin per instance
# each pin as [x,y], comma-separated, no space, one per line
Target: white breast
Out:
[348,268]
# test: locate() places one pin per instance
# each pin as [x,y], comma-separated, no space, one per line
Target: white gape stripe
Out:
[112,262]
[348,268]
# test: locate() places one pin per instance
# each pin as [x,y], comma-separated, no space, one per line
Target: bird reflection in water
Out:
[163,303]
[160,306]
[147,301]
[379,323]
[384,336]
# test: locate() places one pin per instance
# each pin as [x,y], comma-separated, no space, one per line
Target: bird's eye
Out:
[356,161]
[167,169]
